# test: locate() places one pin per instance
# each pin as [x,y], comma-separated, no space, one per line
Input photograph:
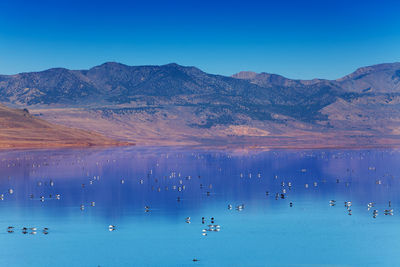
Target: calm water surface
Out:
[281,212]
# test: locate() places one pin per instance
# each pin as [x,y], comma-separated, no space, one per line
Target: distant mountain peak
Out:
[50,71]
[172,64]
[370,69]
[110,64]
[379,78]
[376,78]
[119,66]
[245,75]
[264,79]
[249,75]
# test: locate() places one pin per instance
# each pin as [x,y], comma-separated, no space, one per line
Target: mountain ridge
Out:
[182,104]
[344,82]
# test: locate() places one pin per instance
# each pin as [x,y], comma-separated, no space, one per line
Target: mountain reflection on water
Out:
[181,207]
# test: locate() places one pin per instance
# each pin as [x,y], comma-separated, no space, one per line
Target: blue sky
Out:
[297,39]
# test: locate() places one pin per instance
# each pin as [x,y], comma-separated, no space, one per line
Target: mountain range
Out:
[178,105]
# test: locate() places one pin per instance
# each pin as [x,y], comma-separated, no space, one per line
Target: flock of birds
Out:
[370,205]
[26,230]
[181,185]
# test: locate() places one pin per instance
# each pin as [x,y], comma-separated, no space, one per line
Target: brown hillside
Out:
[19,129]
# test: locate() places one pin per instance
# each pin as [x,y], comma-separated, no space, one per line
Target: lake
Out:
[188,207]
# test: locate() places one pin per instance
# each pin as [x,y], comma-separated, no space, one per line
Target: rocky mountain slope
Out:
[173,104]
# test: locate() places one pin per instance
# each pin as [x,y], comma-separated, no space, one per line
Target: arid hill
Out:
[19,129]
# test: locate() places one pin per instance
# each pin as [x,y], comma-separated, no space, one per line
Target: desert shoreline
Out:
[15,147]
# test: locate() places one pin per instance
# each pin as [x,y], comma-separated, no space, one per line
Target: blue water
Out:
[176,183]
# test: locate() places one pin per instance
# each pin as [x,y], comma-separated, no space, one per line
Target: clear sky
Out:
[294,38]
